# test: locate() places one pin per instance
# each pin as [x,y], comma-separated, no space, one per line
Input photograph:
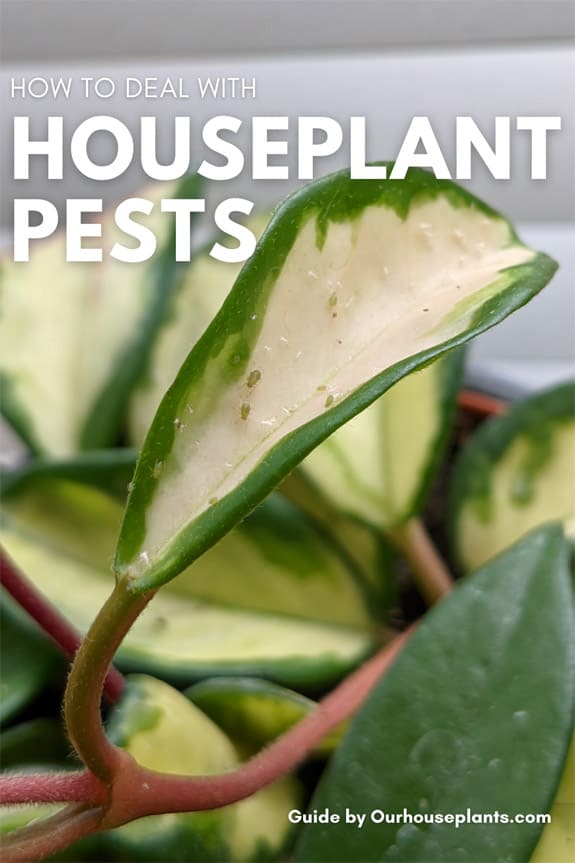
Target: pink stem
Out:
[74,786]
[44,838]
[138,791]
[147,792]
[50,620]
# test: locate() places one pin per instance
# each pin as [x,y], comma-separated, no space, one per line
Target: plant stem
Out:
[44,838]
[85,683]
[429,570]
[51,621]
[481,404]
[139,791]
[70,787]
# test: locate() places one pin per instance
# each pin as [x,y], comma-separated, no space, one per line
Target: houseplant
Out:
[355,287]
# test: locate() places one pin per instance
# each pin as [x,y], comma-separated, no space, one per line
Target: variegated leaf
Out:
[378,466]
[515,473]
[75,336]
[353,285]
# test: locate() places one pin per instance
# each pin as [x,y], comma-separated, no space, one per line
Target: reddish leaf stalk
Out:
[430,572]
[50,835]
[51,621]
[135,791]
[85,683]
[70,787]
[281,756]
[139,791]
[481,404]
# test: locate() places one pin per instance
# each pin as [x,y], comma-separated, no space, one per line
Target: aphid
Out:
[329,401]
[178,424]
[245,410]
[157,469]
[332,300]
[253,378]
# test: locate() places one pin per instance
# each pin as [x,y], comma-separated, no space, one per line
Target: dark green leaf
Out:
[27,659]
[109,470]
[477,713]
[38,741]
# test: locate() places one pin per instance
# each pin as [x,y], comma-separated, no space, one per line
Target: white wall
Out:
[64,30]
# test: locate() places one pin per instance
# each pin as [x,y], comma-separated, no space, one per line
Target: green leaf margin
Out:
[336,198]
[532,418]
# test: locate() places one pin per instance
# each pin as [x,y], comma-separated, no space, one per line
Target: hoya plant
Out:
[340,609]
